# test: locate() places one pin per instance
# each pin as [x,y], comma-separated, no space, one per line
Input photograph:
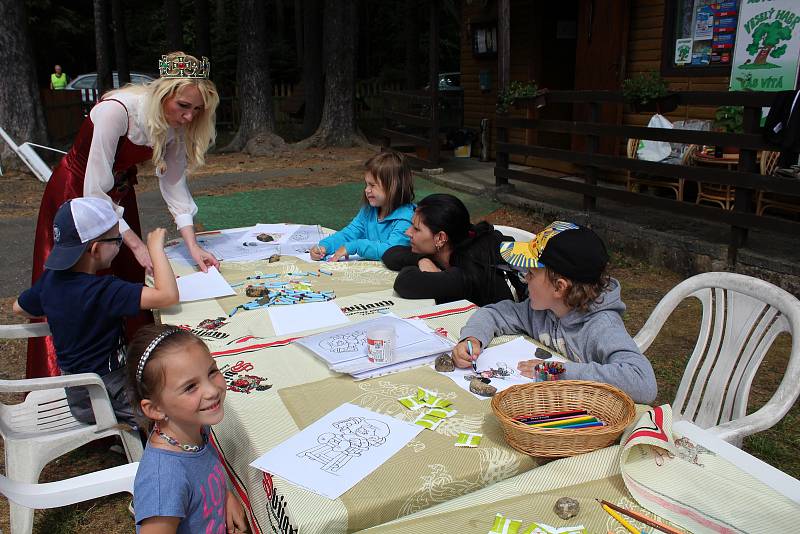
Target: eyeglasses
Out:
[116,240]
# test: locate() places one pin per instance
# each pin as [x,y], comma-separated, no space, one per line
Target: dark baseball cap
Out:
[76,223]
[568,249]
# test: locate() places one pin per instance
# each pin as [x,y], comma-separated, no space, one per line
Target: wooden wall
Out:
[643,54]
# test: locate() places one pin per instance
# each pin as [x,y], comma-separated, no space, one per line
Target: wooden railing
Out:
[746,179]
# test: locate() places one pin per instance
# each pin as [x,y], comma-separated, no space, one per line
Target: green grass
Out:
[332,206]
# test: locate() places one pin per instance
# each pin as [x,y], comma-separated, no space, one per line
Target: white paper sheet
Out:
[235,245]
[309,316]
[332,455]
[502,360]
[199,286]
[345,349]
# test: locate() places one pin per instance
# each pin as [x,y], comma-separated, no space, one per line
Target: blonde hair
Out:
[198,136]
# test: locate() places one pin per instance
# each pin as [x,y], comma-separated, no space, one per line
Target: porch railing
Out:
[746,179]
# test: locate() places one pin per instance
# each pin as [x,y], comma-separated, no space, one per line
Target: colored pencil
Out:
[621,520]
[552,415]
[641,517]
[579,419]
[577,425]
[533,420]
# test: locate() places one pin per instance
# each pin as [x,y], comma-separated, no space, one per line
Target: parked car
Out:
[87,85]
[450,81]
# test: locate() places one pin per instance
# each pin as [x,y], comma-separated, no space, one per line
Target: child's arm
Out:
[351,232]
[20,311]
[165,292]
[234,514]
[160,525]
[504,317]
[374,250]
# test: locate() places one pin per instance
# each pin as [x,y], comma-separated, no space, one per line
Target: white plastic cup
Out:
[380,344]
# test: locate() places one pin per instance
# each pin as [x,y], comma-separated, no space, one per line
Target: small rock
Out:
[274,258]
[566,507]
[266,238]
[477,386]
[256,291]
[542,354]
[444,363]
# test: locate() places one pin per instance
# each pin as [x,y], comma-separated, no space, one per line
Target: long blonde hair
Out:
[198,135]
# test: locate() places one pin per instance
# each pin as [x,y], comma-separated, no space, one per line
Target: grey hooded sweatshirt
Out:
[596,342]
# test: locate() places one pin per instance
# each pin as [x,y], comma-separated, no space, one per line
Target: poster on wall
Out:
[683,51]
[767,49]
[725,19]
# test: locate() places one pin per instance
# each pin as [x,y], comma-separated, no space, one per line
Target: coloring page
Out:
[338,451]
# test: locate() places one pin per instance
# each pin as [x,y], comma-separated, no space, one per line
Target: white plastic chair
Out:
[742,317]
[517,233]
[42,427]
[28,155]
[70,491]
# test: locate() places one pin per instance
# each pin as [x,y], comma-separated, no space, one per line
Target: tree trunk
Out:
[312,65]
[298,30]
[105,81]
[338,126]
[257,123]
[761,58]
[174,25]
[21,113]
[411,33]
[120,42]
[202,28]
[280,22]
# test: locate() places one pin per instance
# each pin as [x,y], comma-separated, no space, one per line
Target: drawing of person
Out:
[350,342]
[356,435]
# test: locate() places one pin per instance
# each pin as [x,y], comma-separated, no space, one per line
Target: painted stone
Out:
[444,363]
[566,507]
[478,387]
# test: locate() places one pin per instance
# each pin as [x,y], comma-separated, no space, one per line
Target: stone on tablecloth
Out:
[256,291]
[274,258]
[478,387]
[266,238]
[444,363]
[542,354]
[566,507]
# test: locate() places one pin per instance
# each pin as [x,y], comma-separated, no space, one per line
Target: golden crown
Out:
[183,67]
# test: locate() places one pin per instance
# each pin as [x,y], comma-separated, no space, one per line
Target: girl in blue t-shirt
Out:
[382,221]
[180,486]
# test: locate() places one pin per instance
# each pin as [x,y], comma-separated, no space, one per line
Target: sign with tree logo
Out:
[767,48]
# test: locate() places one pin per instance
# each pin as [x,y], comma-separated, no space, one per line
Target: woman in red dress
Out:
[170,121]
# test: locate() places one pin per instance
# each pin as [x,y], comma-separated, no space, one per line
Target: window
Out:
[698,37]
[87,82]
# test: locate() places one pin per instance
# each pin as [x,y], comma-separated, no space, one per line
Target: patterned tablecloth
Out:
[276,388]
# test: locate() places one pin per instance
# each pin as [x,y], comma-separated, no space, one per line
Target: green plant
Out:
[644,88]
[729,119]
[514,92]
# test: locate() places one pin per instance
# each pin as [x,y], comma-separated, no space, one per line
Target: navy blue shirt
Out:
[85,314]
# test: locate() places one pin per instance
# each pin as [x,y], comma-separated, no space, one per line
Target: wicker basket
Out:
[607,403]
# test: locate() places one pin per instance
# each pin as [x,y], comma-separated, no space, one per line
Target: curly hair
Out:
[580,295]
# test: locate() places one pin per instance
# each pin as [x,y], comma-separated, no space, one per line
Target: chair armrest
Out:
[98,395]
[25,330]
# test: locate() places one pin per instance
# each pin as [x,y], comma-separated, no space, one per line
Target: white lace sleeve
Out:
[110,120]
[173,185]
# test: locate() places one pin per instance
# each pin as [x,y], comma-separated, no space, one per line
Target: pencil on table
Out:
[641,517]
[620,519]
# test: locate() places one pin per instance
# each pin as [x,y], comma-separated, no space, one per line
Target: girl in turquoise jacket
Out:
[382,220]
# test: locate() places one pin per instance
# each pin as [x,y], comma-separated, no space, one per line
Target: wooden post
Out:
[743,199]
[503,74]
[433,77]
[592,142]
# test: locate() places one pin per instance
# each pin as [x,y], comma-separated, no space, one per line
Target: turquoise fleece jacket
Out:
[370,238]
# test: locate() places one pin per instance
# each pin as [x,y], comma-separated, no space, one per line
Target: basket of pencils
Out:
[562,418]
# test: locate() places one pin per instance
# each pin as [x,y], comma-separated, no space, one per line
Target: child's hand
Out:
[461,355]
[527,367]
[317,252]
[156,238]
[234,515]
[340,253]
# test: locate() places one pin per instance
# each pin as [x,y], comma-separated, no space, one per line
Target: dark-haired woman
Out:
[450,259]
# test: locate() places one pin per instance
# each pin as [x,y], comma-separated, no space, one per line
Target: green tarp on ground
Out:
[332,207]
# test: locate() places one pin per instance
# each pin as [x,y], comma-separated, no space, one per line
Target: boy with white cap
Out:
[573,307]
[85,310]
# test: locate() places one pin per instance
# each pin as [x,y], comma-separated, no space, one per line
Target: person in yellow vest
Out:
[58,80]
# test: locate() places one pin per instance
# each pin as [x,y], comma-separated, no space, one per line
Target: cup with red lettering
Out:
[380,344]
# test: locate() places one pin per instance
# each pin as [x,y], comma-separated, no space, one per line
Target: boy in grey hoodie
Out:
[573,307]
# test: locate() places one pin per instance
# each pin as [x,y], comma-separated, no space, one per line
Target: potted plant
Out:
[729,119]
[518,92]
[649,92]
